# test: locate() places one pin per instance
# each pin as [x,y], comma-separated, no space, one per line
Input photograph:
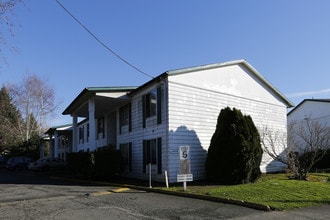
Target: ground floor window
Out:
[126,151]
[81,135]
[100,128]
[152,154]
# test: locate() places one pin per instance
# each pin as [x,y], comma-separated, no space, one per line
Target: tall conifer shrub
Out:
[235,152]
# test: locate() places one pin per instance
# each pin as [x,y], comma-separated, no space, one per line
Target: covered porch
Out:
[97,107]
[60,141]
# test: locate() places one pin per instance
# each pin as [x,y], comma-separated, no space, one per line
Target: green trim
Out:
[112,88]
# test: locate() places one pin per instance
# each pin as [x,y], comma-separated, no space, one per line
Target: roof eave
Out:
[91,91]
[287,102]
[308,100]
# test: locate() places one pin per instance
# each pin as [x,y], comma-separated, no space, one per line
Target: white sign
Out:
[184,177]
[184,152]
[184,160]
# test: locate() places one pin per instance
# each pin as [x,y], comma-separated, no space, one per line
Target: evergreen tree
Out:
[235,152]
[10,122]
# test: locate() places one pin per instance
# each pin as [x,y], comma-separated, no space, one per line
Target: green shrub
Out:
[81,163]
[102,163]
[108,162]
[235,152]
[324,163]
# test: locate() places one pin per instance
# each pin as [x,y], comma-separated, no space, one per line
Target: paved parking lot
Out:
[25,195]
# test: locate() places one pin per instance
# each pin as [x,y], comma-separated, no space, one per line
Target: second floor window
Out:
[151,103]
[124,115]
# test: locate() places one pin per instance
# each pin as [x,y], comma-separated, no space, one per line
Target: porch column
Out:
[74,133]
[42,148]
[51,144]
[55,143]
[92,124]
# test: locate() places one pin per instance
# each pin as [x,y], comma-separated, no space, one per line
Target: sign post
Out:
[185,173]
[150,175]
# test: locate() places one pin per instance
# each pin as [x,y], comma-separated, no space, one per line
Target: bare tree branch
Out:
[35,99]
[307,142]
[7,26]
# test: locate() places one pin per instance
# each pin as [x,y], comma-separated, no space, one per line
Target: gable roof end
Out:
[242,62]
[309,100]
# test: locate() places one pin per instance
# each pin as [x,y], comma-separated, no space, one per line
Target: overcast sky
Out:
[287,41]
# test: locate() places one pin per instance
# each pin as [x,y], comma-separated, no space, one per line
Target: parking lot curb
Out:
[176,193]
[206,197]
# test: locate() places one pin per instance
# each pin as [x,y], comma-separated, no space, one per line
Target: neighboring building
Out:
[177,108]
[310,114]
[60,141]
[315,109]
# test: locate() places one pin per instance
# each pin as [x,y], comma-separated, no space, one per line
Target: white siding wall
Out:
[195,101]
[313,110]
[138,134]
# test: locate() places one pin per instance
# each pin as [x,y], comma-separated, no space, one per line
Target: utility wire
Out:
[101,42]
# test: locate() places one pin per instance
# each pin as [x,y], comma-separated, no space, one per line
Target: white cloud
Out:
[308,93]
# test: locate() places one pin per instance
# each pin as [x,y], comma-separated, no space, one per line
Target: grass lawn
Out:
[274,190]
